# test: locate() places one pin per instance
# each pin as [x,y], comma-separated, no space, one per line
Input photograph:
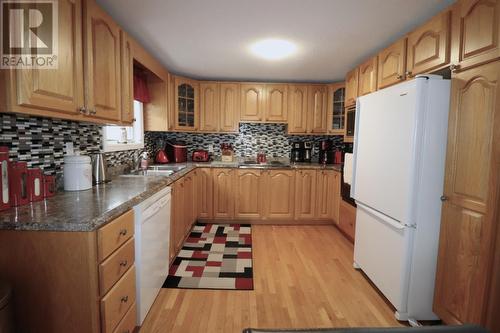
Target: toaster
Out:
[200,156]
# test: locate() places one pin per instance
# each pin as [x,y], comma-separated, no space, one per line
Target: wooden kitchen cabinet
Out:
[223,192]
[351,87]
[177,217]
[392,64]
[91,273]
[204,193]
[317,109]
[305,194]
[475,33]
[335,108]
[279,196]
[464,290]
[276,96]
[297,109]
[186,113]
[56,92]
[347,219]
[209,106]
[229,117]
[248,194]
[189,211]
[127,79]
[102,64]
[253,102]
[328,190]
[368,76]
[429,46]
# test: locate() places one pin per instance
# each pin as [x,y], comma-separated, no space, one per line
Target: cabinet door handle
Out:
[123,263]
[408,74]
[93,111]
[82,110]
[123,232]
[444,198]
[454,68]
[399,77]
[124,299]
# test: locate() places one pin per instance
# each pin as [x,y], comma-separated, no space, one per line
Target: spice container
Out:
[18,178]
[49,186]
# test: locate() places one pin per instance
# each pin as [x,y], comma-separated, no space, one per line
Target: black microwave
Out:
[350,114]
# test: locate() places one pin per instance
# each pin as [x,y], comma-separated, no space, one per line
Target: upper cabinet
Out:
[102,64]
[351,87]
[56,92]
[317,109]
[391,64]
[209,106]
[335,108]
[297,109]
[252,102]
[475,31]
[264,102]
[367,77]
[186,99]
[229,107]
[127,75]
[276,106]
[429,46]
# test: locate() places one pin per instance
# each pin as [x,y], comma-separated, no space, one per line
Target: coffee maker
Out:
[307,152]
[296,154]
[326,152]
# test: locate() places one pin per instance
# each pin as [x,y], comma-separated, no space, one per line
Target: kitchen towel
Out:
[348,168]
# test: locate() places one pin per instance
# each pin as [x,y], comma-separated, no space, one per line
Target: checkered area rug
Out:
[214,256]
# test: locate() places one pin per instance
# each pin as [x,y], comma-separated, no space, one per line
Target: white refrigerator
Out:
[398,175]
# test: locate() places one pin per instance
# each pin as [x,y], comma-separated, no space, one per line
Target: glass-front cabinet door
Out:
[186,97]
[336,111]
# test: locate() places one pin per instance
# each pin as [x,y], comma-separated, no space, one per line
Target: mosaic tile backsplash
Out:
[40,141]
[270,138]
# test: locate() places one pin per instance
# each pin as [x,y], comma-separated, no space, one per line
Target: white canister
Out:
[77,173]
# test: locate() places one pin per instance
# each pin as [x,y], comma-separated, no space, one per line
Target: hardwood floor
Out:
[303,278]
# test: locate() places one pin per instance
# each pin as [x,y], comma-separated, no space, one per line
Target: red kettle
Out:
[161,156]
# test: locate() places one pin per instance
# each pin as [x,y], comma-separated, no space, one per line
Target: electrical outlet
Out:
[210,148]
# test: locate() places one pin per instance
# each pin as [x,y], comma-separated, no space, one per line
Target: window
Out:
[116,138]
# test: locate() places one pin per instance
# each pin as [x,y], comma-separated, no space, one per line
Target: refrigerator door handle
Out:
[384,218]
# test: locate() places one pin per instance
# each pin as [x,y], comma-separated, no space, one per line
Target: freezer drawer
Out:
[382,250]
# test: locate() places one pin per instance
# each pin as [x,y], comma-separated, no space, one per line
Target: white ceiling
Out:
[209,39]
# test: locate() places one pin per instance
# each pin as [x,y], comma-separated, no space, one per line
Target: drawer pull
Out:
[123,263]
[123,232]
[124,299]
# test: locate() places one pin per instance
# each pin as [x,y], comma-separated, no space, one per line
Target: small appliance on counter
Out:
[77,173]
[161,157]
[176,152]
[49,186]
[99,169]
[307,152]
[200,156]
[261,157]
[328,154]
[18,184]
[297,154]
[35,184]
[4,179]
[227,152]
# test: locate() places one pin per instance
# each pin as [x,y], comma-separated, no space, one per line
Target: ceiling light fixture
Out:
[273,49]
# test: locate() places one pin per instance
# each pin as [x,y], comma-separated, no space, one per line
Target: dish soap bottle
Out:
[144,161]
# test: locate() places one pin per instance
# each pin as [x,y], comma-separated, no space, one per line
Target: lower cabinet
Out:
[347,219]
[248,186]
[305,194]
[327,191]
[279,190]
[204,196]
[90,273]
[223,193]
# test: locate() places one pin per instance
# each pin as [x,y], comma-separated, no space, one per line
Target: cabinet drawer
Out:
[347,219]
[114,234]
[111,269]
[117,301]
[127,325]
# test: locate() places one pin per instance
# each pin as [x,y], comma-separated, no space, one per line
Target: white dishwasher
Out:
[152,238]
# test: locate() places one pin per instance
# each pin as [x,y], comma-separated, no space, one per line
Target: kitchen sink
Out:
[149,173]
[267,165]
[173,168]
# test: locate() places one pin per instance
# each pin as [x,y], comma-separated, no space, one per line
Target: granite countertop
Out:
[91,209]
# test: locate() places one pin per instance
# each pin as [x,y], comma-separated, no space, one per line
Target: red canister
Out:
[49,186]
[35,184]
[4,179]
[18,179]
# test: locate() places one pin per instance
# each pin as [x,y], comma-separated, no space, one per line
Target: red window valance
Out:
[141,92]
